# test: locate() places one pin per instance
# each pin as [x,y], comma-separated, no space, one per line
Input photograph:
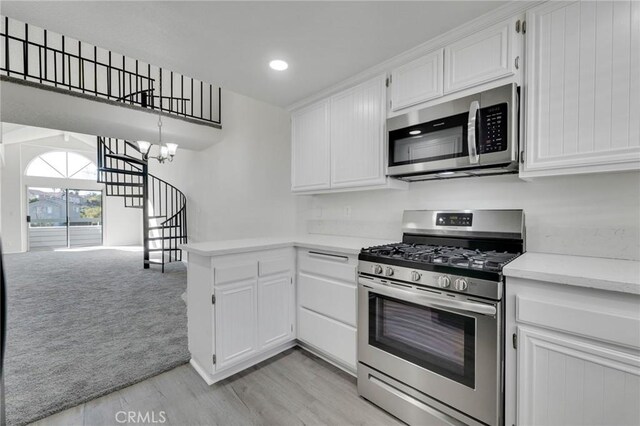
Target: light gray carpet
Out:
[83,324]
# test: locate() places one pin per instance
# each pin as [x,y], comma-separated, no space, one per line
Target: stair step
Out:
[125,158]
[166,238]
[156,217]
[165,249]
[151,228]
[131,184]
[120,171]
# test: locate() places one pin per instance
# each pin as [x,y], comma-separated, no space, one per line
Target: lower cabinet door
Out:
[566,380]
[332,337]
[275,310]
[236,321]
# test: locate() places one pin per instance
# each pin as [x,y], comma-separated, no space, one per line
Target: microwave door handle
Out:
[474,158]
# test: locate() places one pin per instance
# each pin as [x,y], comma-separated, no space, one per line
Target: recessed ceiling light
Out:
[278,65]
[415,132]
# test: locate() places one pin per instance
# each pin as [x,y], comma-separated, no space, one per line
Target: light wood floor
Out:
[294,388]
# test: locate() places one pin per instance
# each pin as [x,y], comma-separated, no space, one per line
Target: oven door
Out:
[444,345]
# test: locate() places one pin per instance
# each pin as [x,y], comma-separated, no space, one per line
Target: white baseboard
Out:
[205,376]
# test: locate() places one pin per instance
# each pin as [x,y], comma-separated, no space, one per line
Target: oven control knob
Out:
[415,276]
[444,281]
[388,272]
[377,269]
[461,284]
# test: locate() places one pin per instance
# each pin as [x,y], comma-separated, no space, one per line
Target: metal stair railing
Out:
[30,55]
[124,172]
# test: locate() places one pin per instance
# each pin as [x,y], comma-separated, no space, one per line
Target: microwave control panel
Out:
[493,130]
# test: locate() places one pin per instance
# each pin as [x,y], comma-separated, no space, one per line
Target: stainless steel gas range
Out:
[430,317]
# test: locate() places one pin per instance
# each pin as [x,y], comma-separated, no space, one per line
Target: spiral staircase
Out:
[124,171]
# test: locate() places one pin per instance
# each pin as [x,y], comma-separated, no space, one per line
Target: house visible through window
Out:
[58,164]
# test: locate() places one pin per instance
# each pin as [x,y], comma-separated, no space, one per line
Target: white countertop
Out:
[349,245]
[593,272]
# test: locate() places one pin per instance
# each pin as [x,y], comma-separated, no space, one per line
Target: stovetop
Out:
[417,255]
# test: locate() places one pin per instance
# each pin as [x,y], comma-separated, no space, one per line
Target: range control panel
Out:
[454,219]
[493,130]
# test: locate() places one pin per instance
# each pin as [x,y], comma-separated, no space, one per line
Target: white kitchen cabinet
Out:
[338,144]
[236,322]
[479,58]
[418,81]
[358,118]
[332,339]
[275,309]
[241,309]
[310,148]
[569,381]
[327,305]
[582,88]
[576,358]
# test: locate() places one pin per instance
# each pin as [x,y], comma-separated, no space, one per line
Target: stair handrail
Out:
[174,214]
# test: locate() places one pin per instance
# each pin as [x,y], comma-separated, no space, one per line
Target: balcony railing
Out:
[38,55]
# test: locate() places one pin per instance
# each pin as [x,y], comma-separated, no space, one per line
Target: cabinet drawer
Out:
[237,272]
[332,337]
[332,265]
[273,266]
[331,298]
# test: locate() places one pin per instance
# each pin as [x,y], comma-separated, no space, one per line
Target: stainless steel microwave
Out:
[470,136]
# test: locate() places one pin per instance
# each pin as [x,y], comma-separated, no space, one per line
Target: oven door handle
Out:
[435,302]
[474,158]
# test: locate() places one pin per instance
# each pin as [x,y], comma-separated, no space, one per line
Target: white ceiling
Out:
[230,43]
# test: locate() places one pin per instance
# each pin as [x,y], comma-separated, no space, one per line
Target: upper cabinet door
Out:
[358,135]
[479,58]
[583,87]
[310,163]
[418,81]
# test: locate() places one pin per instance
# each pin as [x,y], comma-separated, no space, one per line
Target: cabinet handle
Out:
[517,62]
[328,255]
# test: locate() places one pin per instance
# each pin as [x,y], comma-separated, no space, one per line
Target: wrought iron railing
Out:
[164,207]
[40,56]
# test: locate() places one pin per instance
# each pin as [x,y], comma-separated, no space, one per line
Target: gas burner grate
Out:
[444,255]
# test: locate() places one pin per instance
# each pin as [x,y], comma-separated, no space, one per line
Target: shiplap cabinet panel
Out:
[479,58]
[358,134]
[310,150]
[236,322]
[275,309]
[568,381]
[418,81]
[583,87]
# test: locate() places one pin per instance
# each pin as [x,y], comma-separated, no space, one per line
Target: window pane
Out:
[57,160]
[39,168]
[89,172]
[76,163]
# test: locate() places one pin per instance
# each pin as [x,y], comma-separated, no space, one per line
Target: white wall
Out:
[590,215]
[122,226]
[240,186]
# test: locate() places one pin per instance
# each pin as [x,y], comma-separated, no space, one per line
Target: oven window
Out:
[438,340]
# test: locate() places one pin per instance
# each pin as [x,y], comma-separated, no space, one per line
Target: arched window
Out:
[60,164]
